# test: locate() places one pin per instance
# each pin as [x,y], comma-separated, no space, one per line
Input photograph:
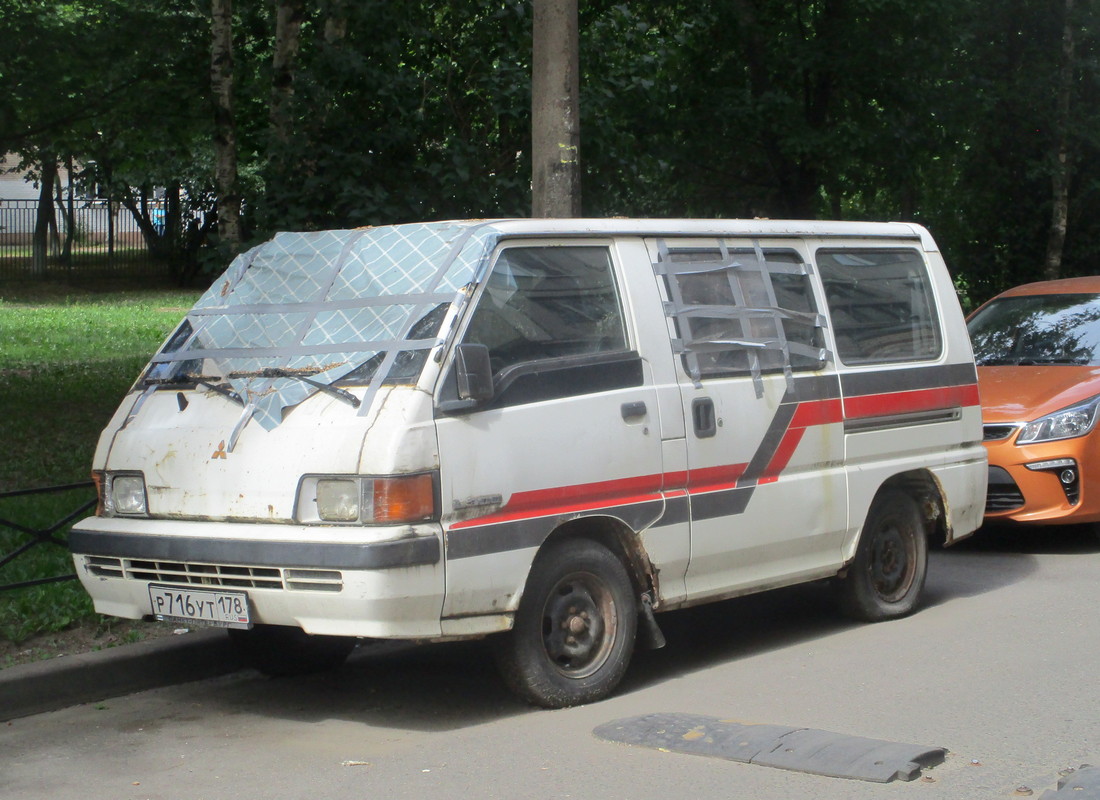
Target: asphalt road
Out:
[999,667]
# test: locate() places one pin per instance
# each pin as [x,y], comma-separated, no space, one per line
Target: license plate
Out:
[200,606]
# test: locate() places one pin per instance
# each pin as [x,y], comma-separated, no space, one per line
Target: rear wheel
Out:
[886,578]
[574,631]
[279,650]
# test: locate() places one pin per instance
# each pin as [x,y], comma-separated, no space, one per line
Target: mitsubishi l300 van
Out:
[543,431]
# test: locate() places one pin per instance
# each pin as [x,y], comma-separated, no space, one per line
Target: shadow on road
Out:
[1033,539]
[453,686]
[1000,555]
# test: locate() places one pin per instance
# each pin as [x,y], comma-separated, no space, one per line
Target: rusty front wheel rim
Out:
[579,625]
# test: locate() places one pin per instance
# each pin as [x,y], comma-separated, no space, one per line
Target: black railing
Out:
[42,536]
[98,239]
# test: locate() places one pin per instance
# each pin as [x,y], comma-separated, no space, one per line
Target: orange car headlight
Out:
[1068,423]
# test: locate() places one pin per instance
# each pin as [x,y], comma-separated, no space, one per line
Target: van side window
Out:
[548,302]
[881,305]
[743,310]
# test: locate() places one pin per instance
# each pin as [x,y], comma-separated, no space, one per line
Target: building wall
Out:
[13,182]
[19,201]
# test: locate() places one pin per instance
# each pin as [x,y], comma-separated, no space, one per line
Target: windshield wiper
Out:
[277,372]
[212,382]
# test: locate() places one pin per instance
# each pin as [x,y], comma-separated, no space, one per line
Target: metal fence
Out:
[105,241]
[50,535]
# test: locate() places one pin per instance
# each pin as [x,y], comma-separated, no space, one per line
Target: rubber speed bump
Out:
[817,752]
[1082,784]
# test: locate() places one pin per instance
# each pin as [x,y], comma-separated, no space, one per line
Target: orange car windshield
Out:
[1038,329]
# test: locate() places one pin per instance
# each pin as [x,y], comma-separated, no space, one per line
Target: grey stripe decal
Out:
[677,512]
[901,380]
[408,552]
[777,429]
[520,534]
[724,503]
[502,537]
[816,387]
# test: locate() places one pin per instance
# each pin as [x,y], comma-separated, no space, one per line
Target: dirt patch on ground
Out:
[84,637]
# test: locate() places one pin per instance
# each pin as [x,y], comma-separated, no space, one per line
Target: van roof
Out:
[698,227]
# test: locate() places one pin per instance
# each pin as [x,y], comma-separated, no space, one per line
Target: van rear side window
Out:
[881,305]
[741,311]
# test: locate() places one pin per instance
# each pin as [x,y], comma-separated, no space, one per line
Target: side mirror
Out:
[473,372]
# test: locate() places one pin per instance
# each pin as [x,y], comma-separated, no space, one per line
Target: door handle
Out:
[702,417]
[633,410]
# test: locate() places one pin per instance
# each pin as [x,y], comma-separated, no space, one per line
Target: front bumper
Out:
[346,581]
[1029,484]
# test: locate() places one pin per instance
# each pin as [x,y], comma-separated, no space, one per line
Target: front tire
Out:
[886,578]
[279,651]
[573,634]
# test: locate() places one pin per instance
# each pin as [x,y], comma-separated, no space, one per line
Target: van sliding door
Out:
[765,476]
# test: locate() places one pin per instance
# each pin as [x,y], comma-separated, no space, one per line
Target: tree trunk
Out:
[225,132]
[68,213]
[288,26]
[173,218]
[336,22]
[45,221]
[1063,167]
[555,111]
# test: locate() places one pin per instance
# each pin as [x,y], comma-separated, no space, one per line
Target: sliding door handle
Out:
[702,417]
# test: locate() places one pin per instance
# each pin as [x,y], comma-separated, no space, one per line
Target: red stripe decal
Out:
[783,453]
[713,479]
[645,488]
[571,499]
[818,412]
[808,414]
[882,405]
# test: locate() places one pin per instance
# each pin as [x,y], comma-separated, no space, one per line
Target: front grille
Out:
[994,433]
[220,575]
[1002,493]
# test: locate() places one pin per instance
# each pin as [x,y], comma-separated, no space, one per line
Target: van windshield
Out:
[1038,329]
[309,312]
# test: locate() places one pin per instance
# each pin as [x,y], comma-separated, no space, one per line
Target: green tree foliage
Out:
[938,111]
[119,87]
[414,111]
[995,208]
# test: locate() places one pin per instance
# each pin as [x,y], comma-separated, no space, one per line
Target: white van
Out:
[542,429]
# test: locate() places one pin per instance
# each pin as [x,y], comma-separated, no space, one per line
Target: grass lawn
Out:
[67,357]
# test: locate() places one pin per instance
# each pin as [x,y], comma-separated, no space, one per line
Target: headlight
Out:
[338,500]
[369,500]
[126,495]
[1065,424]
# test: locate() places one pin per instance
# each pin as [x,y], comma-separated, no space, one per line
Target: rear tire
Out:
[886,578]
[573,634]
[280,651]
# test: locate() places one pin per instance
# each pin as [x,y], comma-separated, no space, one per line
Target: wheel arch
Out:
[619,538]
[925,488]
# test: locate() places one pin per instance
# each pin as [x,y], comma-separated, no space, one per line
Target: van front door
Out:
[572,430]
[765,434]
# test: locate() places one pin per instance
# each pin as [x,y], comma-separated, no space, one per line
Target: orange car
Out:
[1038,352]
